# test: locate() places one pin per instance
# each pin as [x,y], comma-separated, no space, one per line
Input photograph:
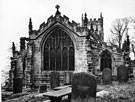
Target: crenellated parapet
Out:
[52,20]
[63,20]
[81,30]
[95,25]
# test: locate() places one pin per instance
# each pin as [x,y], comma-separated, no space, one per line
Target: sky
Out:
[15,14]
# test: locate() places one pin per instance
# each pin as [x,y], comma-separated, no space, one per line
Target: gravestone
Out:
[17,85]
[83,87]
[54,79]
[43,88]
[62,77]
[99,78]
[107,76]
[122,73]
[68,78]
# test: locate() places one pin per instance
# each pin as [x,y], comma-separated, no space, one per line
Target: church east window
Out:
[59,51]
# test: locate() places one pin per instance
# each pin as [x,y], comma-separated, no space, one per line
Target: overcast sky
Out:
[15,14]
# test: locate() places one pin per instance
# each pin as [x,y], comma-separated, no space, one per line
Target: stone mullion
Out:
[49,48]
[67,54]
[61,49]
[68,57]
[55,48]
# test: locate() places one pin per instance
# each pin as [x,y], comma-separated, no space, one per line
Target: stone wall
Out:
[37,54]
[86,58]
[81,56]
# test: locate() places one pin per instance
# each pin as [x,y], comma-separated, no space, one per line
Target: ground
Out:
[117,92]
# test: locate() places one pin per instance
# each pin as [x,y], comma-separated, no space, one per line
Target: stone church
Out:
[65,47]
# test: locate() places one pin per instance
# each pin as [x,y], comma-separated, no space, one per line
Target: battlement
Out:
[54,19]
[91,23]
[95,20]
[95,24]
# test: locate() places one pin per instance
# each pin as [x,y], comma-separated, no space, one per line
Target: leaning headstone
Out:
[107,76]
[83,87]
[54,79]
[68,78]
[122,73]
[17,85]
[99,79]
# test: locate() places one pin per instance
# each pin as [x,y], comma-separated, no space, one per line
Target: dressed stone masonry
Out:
[62,46]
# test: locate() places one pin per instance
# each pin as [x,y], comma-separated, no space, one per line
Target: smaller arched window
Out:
[106,61]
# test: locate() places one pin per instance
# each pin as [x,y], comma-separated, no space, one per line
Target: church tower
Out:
[94,24]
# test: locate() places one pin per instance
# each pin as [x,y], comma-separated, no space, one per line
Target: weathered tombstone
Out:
[62,78]
[43,88]
[68,78]
[54,79]
[17,85]
[99,78]
[122,73]
[107,76]
[83,87]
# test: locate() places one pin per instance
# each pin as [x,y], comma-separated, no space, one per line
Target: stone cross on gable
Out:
[57,7]
[57,12]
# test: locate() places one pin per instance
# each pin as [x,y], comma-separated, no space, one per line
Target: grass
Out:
[119,92]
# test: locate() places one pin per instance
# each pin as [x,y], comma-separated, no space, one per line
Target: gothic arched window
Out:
[58,51]
[106,61]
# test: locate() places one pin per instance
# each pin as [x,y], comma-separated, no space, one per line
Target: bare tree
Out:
[133,47]
[4,76]
[118,30]
[132,39]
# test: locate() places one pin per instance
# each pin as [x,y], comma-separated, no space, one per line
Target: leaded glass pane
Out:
[58,59]
[52,59]
[46,59]
[64,59]
[71,58]
[59,51]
